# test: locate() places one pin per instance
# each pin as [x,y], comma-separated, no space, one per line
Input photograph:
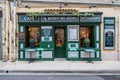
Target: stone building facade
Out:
[104,34]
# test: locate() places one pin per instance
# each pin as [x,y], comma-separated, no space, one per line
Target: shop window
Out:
[33,36]
[87,35]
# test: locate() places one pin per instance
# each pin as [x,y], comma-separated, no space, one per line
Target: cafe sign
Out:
[66,18]
[96,18]
[26,18]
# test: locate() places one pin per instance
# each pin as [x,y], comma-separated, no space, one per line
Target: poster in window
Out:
[46,33]
[21,37]
[73,31]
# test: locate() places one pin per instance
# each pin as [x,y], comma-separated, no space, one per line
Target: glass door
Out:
[59,42]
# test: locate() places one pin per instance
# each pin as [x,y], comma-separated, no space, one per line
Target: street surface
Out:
[35,76]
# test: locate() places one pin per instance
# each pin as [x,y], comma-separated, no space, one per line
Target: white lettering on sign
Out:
[24,18]
[108,21]
[28,18]
[59,19]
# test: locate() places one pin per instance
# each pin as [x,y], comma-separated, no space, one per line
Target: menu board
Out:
[109,38]
[21,37]
[73,31]
[109,33]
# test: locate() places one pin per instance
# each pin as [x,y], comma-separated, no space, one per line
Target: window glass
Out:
[87,36]
[59,35]
[33,36]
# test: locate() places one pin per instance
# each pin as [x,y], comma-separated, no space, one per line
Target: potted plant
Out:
[87,42]
[32,42]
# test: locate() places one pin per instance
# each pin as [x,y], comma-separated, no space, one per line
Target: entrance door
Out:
[59,42]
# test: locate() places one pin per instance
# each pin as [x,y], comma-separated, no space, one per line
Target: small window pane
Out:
[87,34]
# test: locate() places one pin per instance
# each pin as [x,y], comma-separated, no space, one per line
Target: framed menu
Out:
[73,32]
[109,33]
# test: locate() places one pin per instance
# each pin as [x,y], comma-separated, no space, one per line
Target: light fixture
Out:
[60,5]
[93,6]
[26,6]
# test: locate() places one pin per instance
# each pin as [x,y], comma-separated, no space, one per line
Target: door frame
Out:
[65,38]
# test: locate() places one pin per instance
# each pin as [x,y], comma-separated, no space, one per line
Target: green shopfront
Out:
[50,36]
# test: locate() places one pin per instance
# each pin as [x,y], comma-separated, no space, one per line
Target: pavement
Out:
[60,66]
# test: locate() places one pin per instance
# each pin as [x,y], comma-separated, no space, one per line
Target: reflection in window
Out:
[59,35]
[33,35]
[87,32]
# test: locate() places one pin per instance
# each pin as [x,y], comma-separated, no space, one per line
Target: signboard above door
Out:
[66,17]
[57,18]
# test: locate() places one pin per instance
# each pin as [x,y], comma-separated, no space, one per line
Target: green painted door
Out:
[59,40]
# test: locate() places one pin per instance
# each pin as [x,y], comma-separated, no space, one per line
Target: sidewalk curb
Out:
[58,71]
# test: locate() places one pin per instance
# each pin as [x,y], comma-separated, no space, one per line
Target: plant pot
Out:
[87,45]
[32,45]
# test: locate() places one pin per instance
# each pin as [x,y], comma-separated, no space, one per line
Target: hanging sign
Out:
[109,33]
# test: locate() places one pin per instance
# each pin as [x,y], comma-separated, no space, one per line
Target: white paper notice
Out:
[73,34]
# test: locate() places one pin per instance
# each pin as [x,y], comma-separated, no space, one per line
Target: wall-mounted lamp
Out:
[93,6]
[60,5]
[26,6]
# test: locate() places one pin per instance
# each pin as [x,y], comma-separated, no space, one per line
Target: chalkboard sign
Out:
[109,39]
[109,33]
[21,37]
